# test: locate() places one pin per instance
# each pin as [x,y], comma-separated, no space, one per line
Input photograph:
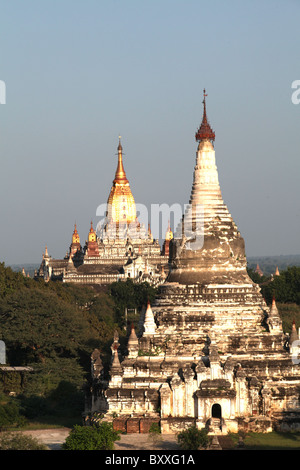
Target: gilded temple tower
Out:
[75,246]
[121,205]
[117,247]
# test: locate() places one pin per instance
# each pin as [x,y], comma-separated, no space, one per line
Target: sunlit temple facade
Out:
[209,351]
[120,248]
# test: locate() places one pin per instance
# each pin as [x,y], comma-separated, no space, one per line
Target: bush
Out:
[100,437]
[155,434]
[18,441]
[193,439]
[10,413]
[155,428]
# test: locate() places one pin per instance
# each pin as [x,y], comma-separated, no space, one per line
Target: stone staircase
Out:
[215,426]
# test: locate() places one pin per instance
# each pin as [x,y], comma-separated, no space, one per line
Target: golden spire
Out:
[121,206]
[169,233]
[120,176]
[92,233]
[75,236]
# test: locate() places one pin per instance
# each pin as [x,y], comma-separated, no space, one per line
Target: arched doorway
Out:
[216,411]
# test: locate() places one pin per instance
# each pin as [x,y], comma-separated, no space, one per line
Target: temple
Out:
[118,248]
[208,351]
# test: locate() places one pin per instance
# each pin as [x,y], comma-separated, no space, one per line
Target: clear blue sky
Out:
[79,73]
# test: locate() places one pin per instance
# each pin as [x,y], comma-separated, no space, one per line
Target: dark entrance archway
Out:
[216,411]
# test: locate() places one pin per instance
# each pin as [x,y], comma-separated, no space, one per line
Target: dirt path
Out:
[54,438]
[146,442]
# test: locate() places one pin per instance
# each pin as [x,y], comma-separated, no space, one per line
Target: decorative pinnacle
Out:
[120,145]
[120,176]
[205,132]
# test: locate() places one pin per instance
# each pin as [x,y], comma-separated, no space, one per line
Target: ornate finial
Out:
[169,233]
[120,145]
[205,132]
[120,176]
[75,236]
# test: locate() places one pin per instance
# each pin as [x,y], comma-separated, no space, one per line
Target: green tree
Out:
[39,325]
[11,281]
[289,313]
[130,295]
[100,437]
[63,404]
[10,415]
[285,288]
[193,439]
[103,308]
[53,328]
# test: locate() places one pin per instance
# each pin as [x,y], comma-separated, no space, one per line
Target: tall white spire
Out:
[207,243]
[206,205]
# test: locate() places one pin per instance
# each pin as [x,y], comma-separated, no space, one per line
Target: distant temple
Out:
[122,247]
[209,351]
[258,270]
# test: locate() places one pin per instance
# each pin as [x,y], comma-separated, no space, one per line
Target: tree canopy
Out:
[54,327]
[285,288]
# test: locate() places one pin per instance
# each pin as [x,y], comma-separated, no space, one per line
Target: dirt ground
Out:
[54,438]
[146,442]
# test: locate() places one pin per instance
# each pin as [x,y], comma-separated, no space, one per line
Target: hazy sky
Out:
[80,73]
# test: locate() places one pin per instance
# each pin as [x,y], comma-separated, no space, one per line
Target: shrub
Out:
[193,439]
[155,428]
[155,434]
[18,441]
[100,437]
[10,413]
